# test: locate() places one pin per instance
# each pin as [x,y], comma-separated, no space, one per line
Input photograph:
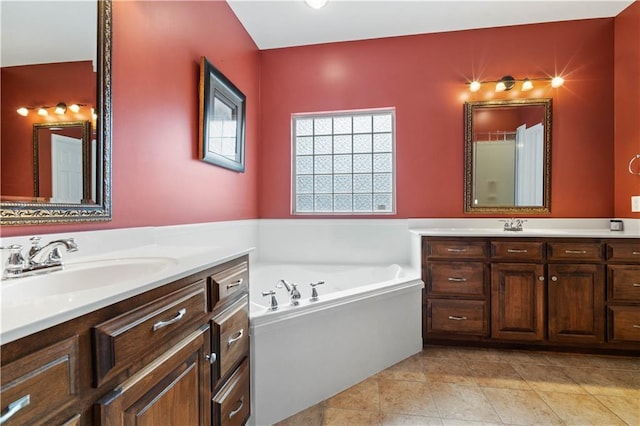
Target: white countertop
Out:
[552,233]
[20,318]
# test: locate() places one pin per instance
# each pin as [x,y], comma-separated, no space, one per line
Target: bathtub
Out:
[366,318]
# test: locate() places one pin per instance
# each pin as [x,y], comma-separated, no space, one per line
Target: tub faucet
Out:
[273,304]
[314,292]
[294,294]
[513,224]
[39,260]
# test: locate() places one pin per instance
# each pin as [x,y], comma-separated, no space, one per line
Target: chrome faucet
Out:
[314,292]
[294,294]
[273,302]
[513,224]
[39,260]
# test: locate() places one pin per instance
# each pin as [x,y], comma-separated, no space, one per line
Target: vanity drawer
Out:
[124,340]
[455,279]
[624,283]
[230,339]
[517,250]
[624,323]
[468,317]
[446,249]
[574,251]
[232,403]
[624,252]
[44,383]
[229,281]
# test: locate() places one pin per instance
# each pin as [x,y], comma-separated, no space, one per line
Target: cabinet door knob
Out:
[554,278]
[212,357]
[541,278]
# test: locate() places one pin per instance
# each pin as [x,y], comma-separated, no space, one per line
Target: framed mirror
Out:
[62,91]
[507,156]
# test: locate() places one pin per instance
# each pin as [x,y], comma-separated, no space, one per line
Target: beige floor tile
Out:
[549,378]
[443,370]
[594,361]
[440,352]
[480,354]
[463,402]
[406,397]
[521,407]
[342,417]
[496,375]
[579,409]
[600,381]
[363,396]
[409,369]
[312,416]
[523,357]
[391,419]
[627,408]
[459,422]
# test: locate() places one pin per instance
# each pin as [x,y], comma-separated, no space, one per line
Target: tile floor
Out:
[468,386]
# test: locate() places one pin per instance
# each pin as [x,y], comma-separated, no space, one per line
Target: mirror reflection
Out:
[507,146]
[55,101]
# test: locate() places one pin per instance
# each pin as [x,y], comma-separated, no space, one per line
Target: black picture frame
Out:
[222,119]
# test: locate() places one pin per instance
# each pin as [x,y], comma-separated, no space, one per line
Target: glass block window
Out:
[344,162]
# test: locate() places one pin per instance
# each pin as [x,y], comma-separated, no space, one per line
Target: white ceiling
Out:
[285,23]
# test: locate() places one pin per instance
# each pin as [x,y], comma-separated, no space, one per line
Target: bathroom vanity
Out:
[177,354]
[553,292]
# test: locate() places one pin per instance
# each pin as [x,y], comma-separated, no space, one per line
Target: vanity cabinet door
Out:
[517,301]
[172,390]
[576,303]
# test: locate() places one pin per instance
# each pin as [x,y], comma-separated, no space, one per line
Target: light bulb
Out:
[474,86]
[527,85]
[23,111]
[43,112]
[557,81]
[316,4]
[500,87]
[61,108]
[74,107]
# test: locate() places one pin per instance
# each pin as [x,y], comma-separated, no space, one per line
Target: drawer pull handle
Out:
[457,280]
[516,251]
[635,253]
[636,326]
[453,318]
[173,320]
[575,251]
[456,250]
[212,357]
[14,407]
[235,337]
[235,284]
[237,410]
[636,284]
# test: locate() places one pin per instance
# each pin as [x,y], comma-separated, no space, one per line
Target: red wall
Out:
[423,77]
[157,176]
[627,107]
[36,86]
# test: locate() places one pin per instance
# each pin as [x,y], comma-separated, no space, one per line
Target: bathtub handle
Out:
[455,318]
[314,292]
[235,337]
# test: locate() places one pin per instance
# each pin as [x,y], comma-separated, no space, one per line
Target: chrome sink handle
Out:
[314,292]
[273,303]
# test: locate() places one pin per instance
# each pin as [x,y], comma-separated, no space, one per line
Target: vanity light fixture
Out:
[316,4]
[60,109]
[508,82]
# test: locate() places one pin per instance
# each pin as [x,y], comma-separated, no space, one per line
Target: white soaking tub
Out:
[366,318]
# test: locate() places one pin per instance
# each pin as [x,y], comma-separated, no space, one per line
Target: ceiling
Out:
[286,23]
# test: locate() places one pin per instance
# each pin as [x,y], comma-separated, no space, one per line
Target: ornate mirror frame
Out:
[469,109]
[25,213]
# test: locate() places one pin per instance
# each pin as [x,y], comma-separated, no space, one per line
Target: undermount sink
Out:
[82,276]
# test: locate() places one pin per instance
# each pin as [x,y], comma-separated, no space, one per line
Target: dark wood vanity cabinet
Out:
[552,292]
[167,356]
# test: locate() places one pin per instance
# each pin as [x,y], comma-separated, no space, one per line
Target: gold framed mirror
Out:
[507,156]
[22,200]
